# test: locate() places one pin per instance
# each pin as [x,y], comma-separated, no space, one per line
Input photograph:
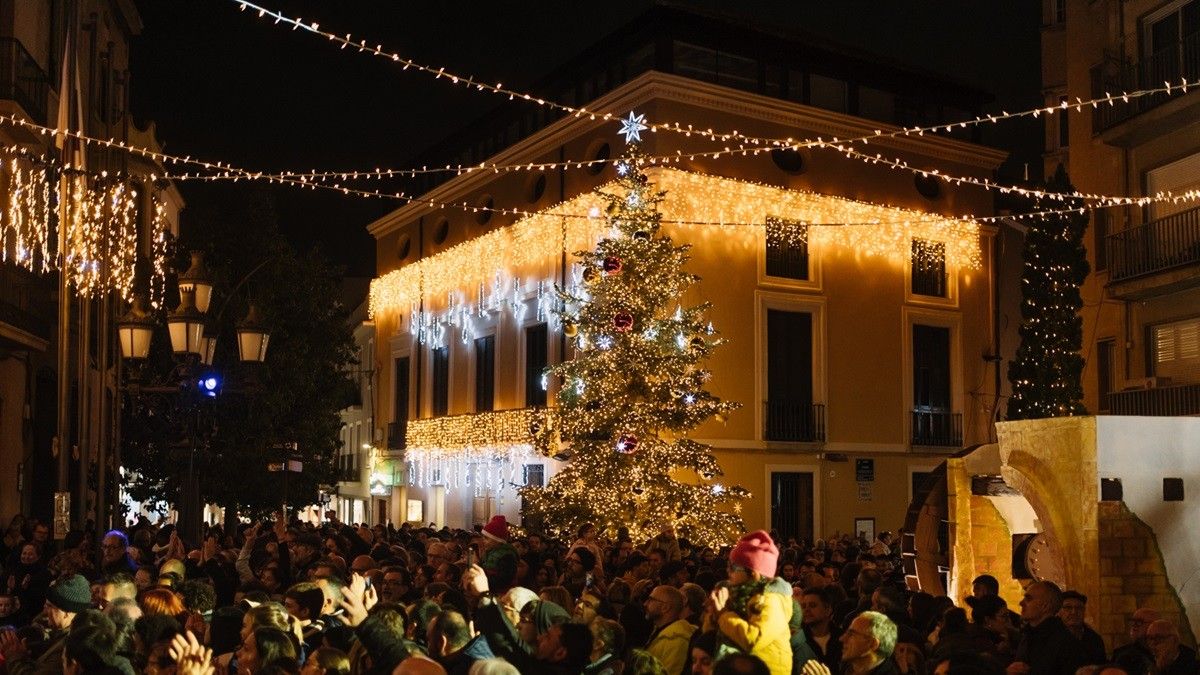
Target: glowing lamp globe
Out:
[252,337]
[186,326]
[134,330]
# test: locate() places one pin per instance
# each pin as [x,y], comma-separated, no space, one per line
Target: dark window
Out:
[933,420]
[534,475]
[790,414]
[1060,11]
[440,404]
[1172,489]
[400,403]
[1172,43]
[919,478]
[931,368]
[792,505]
[929,268]
[485,373]
[1105,350]
[737,72]
[787,250]
[1111,490]
[829,93]
[1101,233]
[441,231]
[789,160]
[696,62]
[535,363]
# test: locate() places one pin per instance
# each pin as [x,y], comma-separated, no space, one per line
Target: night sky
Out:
[223,84]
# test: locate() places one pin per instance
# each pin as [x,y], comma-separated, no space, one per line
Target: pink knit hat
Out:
[496,529]
[757,552]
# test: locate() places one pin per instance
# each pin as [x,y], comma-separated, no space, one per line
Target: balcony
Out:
[936,428]
[22,80]
[1156,247]
[26,309]
[1173,64]
[794,421]
[1173,401]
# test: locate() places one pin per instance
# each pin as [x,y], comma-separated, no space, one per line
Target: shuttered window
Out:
[1175,350]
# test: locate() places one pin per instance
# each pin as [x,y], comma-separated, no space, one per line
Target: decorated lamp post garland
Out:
[636,385]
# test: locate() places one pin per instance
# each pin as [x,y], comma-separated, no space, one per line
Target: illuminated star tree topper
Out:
[632,127]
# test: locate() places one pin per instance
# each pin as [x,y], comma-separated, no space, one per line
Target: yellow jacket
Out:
[670,646]
[765,634]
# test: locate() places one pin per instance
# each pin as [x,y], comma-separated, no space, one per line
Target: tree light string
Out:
[439,73]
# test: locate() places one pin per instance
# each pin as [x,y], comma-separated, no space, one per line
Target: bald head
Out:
[362,564]
[419,665]
[1140,621]
[1163,639]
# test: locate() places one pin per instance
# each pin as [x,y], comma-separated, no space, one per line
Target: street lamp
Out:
[135,329]
[187,392]
[252,337]
[197,280]
[186,325]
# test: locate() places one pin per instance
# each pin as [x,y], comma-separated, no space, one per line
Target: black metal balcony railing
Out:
[1174,401]
[798,421]
[936,428]
[349,475]
[1158,245]
[1173,64]
[22,79]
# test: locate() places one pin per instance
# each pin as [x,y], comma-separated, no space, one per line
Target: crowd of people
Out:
[284,597]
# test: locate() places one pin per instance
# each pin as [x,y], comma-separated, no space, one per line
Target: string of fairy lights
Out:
[102,223]
[442,73]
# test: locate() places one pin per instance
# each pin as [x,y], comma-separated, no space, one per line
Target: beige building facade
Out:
[33,36]
[1142,307]
[863,351]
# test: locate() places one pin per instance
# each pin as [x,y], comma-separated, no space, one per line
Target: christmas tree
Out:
[635,387]
[1045,375]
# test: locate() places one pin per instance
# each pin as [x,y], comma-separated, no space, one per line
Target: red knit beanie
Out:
[496,529]
[757,552]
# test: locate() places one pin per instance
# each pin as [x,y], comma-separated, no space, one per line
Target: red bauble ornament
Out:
[623,321]
[612,265]
[627,444]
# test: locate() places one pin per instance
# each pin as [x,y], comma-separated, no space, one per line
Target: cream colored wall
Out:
[1095,167]
[868,395]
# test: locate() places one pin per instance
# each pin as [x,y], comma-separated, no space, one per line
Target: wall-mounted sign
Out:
[864,470]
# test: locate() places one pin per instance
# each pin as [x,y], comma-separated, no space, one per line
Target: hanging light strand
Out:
[441,73]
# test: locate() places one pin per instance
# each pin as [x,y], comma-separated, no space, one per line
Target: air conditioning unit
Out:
[1146,383]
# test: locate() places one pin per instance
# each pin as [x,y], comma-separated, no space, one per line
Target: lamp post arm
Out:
[233,291]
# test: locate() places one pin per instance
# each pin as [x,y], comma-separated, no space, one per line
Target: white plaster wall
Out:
[1141,451]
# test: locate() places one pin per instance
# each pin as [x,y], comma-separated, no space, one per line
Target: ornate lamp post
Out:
[186,393]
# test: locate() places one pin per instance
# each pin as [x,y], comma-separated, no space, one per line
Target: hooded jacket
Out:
[764,632]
